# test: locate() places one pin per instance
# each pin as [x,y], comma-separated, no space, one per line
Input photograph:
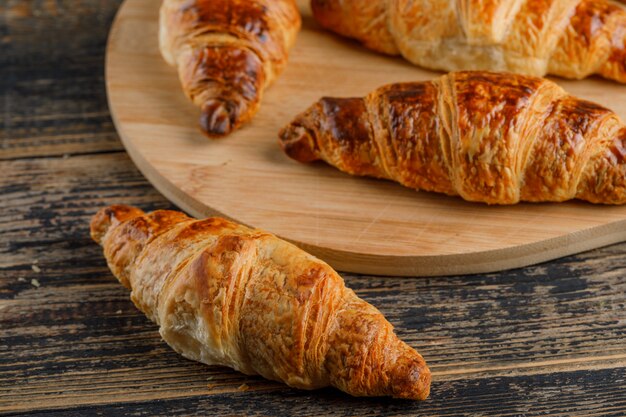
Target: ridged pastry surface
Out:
[497,138]
[225,294]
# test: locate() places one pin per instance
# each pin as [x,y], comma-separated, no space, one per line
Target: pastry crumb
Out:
[35,268]
[21,279]
[35,283]
[243,387]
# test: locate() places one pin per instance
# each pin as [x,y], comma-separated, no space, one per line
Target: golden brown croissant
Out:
[569,38]
[227,52]
[224,294]
[491,137]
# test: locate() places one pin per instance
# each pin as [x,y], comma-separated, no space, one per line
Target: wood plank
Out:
[580,393]
[52,90]
[356,224]
[41,194]
[543,340]
[495,342]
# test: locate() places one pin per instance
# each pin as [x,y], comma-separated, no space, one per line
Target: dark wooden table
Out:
[543,340]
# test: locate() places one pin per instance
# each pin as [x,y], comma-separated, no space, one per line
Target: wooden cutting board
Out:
[355,224]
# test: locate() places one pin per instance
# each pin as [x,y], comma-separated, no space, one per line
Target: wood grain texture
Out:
[355,224]
[522,340]
[51,77]
[542,340]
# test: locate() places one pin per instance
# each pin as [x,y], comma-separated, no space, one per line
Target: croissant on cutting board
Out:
[227,52]
[490,137]
[225,294]
[568,38]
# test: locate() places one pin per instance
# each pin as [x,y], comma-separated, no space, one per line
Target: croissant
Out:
[568,38]
[227,52]
[490,137]
[224,294]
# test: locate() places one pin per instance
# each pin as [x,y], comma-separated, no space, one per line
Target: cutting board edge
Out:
[408,266]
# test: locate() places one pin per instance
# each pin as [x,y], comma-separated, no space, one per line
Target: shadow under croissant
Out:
[328,395]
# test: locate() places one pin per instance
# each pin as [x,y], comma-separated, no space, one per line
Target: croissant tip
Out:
[411,380]
[109,216]
[217,119]
[297,142]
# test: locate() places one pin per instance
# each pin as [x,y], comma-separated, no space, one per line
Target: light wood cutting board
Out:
[355,224]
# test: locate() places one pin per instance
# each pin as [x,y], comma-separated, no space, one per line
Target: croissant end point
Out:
[109,216]
[297,142]
[216,119]
[410,379]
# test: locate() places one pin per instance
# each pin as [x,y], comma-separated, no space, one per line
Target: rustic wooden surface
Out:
[543,340]
[355,224]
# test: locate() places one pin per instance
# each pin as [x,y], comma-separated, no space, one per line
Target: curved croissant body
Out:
[224,294]
[489,137]
[569,38]
[227,52]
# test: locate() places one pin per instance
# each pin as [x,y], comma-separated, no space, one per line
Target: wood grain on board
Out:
[542,340]
[355,224]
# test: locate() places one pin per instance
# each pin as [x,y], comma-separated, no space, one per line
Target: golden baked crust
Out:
[497,138]
[569,38]
[227,52]
[225,294]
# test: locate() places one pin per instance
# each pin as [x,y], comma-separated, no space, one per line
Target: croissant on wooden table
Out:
[568,38]
[227,52]
[225,294]
[490,137]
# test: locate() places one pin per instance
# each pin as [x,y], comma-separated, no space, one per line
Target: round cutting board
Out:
[355,224]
